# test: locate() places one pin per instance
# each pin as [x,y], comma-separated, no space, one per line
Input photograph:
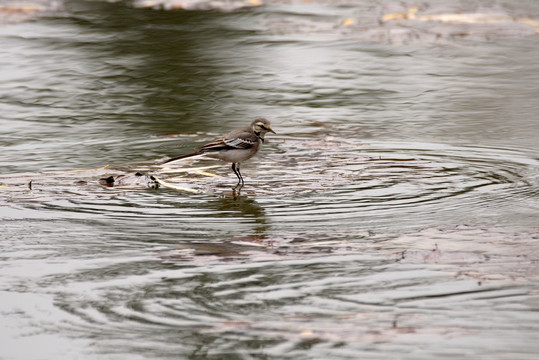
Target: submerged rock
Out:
[434,26]
[223,5]
[21,11]
[477,18]
[132,180]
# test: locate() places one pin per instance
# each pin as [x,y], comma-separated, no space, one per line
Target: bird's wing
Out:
[240,142]
[239,139]
[217,144]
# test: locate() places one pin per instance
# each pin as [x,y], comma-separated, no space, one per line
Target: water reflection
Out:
[242,205]
[176,79]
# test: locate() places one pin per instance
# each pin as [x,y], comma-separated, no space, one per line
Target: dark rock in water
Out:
[137,179]
[108,181]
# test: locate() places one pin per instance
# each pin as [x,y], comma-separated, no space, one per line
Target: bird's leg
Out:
[241,177]
[235,172]
[236,169]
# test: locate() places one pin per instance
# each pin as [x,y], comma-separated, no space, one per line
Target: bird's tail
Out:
[183,156]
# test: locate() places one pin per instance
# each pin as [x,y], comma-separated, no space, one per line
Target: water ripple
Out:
[385,291]
[327,182]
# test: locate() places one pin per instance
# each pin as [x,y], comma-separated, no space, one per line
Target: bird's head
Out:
[261,126]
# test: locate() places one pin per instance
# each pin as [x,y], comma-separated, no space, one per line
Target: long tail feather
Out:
[182,156]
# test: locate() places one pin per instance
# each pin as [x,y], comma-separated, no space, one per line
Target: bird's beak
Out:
[271,130]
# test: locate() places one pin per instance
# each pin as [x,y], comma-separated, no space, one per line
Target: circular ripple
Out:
[304,182]
[334,181]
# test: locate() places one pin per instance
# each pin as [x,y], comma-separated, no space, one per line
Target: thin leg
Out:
[235,172]
[236,169]
[241,177]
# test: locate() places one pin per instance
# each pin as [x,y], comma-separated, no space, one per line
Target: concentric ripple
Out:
[327,183]
[278,298]
[334,181]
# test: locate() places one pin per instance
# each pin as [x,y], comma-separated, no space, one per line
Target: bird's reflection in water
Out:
[244,244]
[240,205]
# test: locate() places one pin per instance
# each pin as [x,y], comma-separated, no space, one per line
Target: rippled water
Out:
[394,215]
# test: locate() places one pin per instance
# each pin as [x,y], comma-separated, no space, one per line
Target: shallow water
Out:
[394,215]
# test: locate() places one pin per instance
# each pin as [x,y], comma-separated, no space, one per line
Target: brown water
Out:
[395,214]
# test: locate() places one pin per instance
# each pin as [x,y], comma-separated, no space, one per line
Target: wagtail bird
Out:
[235,147]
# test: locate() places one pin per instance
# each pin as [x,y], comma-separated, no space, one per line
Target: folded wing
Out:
[242,140]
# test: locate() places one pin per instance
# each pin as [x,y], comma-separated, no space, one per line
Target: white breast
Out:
[234,156]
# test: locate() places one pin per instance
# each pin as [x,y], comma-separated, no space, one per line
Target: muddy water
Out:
[394,215]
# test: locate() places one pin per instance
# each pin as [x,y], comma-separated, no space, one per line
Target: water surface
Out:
[393,216]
